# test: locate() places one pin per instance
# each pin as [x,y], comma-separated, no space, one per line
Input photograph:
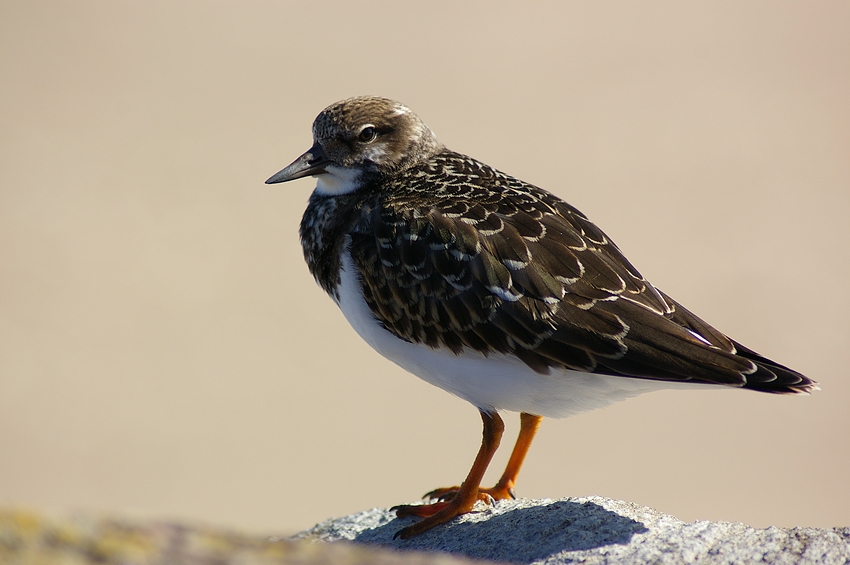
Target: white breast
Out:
[495,382]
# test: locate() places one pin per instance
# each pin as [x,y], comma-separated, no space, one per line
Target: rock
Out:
[591,530]
[572,530]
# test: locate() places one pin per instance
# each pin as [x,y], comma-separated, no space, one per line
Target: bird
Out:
[493,289]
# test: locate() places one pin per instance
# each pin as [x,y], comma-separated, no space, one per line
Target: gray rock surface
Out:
[592,530]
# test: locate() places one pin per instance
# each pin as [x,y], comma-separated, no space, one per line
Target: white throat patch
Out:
[337,180]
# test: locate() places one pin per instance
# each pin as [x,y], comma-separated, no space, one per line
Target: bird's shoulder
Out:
[456,214]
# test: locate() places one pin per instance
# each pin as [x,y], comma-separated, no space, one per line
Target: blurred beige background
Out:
[165,353]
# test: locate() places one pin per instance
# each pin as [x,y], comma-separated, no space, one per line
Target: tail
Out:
[770,376]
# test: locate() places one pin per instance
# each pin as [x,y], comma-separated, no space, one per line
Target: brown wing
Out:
[504,267]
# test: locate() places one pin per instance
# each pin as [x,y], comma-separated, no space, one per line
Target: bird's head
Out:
[361,137]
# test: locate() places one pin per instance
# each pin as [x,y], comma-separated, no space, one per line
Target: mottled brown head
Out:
[363,135]
[373,133]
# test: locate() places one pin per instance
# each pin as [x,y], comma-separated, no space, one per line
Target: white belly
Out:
[495,382]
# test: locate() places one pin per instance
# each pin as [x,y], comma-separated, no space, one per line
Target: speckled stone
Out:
[593,530]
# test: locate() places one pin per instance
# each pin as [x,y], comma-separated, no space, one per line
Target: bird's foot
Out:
[426,510]
[437,513]
[498,492]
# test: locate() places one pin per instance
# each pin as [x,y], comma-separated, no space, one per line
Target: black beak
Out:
[313,162]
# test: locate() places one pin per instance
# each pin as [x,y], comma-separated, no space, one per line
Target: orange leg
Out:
[463,501]
[455,501]
[529,424]
[504,489]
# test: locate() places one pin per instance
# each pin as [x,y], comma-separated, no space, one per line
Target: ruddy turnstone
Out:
[492,289]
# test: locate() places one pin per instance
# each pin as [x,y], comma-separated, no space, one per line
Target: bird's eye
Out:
[368,134]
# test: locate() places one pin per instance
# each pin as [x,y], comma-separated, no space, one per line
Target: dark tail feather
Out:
[773,377]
